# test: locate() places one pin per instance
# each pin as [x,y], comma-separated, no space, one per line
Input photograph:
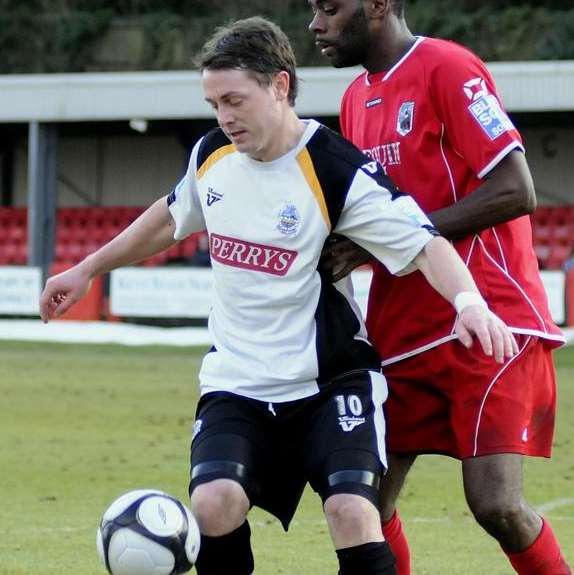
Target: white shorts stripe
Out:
[491,385]
[379,394]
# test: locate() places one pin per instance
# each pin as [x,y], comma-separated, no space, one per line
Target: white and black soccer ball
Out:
[148,532]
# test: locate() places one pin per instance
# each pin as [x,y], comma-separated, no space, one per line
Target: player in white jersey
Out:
[291,391]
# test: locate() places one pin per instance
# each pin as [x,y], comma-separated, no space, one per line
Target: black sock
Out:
[226,555]
[367,559]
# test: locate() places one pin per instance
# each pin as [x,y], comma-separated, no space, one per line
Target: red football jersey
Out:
[435,122]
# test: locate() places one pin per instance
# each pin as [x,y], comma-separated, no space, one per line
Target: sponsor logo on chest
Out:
[385,154]
[251,256]
[374,102]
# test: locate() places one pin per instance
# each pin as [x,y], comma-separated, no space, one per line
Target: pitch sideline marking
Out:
[556,504]
[544,508]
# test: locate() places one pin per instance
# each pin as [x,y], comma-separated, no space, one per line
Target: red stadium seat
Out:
[157,260]
[541,232]
[558,255]
[553,235]
[542,254]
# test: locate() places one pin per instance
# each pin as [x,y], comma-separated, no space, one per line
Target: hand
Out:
[62,291]
[494,336]
[341,256]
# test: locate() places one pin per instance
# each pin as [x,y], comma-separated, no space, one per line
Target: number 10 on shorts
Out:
[350,411]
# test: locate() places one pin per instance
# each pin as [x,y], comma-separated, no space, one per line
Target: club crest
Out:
[405,118]
[289,220]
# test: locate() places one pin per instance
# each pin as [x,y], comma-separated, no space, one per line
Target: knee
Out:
[387,506]
[346,513]
[220,506]
[498,517]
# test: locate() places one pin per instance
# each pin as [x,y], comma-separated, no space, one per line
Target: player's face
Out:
[341,31]
[246,111]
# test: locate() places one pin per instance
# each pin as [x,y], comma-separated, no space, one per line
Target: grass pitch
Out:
[79,425]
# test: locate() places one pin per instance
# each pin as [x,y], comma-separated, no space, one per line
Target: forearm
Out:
[476,212]
[150,234]
[444,269]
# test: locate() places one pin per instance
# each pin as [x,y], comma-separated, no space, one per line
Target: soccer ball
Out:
[147,532]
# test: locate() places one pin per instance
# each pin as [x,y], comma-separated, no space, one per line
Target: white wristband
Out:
[465,298]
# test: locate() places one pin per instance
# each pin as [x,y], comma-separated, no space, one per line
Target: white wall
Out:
[550,153]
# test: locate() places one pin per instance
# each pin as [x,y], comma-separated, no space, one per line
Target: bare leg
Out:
[220,506]
[355,528]
[493,489]
[352,521]
[392,483]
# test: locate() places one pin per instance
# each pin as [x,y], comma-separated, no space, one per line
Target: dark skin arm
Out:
[507,193]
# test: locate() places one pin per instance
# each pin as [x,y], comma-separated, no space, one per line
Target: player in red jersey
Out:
[428,111]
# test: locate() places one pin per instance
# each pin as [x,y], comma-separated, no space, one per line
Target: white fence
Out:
[185,292]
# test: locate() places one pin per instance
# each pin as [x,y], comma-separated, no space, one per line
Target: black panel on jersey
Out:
[336,162]
[431,230]
[338,351]
[212,141]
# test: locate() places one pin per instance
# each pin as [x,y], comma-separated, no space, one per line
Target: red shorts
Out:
[462,403]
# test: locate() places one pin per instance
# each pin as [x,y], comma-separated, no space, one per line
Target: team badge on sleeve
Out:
[475,89]
[405,118]
[486,109]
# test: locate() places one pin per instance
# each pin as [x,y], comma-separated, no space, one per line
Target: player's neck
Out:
[392,44]
[284,138]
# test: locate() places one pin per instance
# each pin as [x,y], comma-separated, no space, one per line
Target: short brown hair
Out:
[255,45]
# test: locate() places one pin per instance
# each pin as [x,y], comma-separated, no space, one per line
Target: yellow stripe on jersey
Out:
[214,157]
[306,164]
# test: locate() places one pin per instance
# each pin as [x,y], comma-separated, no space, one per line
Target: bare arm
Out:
[150,234]
[507,193]
[445,271]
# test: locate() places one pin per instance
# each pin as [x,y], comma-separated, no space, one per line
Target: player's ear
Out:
[378,9]
[281,82]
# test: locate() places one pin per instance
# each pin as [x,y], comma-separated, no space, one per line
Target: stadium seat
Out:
[558,255]
[157,260]
[553,235]
[552,226]
[542,251]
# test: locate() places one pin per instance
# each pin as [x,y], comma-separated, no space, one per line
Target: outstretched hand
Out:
[340,256]
[493,334]
[62,291]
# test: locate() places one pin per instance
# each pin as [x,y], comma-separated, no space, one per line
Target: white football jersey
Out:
[280,329]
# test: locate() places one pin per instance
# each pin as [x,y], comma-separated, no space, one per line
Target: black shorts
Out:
[334,440]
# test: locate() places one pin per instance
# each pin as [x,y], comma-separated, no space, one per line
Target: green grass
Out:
[80,425]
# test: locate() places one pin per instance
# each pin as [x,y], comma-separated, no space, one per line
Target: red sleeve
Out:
[345,116]
[466,101]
